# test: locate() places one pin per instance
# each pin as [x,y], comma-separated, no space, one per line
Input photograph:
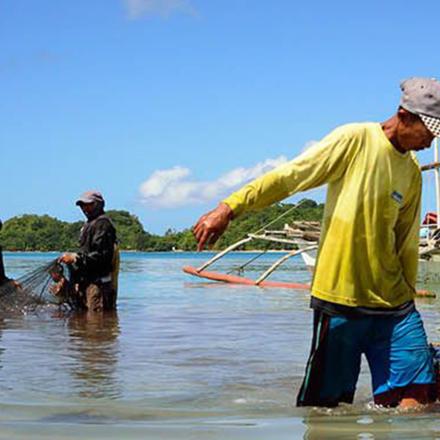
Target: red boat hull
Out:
[233,279]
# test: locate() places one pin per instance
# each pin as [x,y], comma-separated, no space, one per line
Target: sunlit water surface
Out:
[182,359]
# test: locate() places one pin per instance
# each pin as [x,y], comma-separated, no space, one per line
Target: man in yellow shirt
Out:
[364,283]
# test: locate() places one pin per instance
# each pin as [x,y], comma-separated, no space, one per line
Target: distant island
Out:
[45,233]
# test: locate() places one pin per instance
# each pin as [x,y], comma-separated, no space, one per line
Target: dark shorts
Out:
[396,349]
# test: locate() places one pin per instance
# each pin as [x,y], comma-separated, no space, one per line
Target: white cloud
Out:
[164,8]
[174,187]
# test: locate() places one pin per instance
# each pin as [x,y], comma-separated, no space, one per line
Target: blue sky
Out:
[183,99]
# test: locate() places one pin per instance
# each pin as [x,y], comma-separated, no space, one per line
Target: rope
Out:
[280,216]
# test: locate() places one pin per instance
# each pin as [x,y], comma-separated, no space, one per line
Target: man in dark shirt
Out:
[94,268]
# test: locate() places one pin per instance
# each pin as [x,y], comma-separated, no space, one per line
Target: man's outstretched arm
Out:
[320,164]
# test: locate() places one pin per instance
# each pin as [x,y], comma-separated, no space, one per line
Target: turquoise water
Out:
[183,359]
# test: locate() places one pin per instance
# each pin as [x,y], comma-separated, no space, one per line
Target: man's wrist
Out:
[229,213]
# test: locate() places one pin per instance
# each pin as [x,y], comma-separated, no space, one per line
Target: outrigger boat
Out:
[261,281]
[304,237]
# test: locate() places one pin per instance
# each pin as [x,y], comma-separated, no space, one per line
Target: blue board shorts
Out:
[396,349]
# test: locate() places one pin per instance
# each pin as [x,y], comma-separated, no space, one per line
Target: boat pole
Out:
[282,260]
[228,249]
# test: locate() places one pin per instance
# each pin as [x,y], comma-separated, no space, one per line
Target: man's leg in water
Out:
[401,361]
[334,364]
[101,297]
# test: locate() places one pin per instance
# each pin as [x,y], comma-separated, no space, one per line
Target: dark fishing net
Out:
[47,285]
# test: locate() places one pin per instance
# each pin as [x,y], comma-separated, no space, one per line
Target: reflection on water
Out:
[182,359]
[93,345]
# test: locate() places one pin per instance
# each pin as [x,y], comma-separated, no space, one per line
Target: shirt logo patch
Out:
[397,197]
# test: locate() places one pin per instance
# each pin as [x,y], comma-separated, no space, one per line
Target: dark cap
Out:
[421,96]
[90,197]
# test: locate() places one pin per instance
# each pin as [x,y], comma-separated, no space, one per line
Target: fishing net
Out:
[47,285]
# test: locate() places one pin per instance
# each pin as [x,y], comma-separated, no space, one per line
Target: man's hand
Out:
[212,225]
[57,288]
[16,284]
[68,258]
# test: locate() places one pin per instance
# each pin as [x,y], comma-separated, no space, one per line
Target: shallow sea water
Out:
[182,359]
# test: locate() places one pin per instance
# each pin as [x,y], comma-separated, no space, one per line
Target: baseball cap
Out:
[90,197]
[421,96]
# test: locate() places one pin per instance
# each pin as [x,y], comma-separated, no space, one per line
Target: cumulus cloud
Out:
[164,8]
[174,187]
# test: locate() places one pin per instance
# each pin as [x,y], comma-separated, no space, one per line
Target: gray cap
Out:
[90,197]
[421,96]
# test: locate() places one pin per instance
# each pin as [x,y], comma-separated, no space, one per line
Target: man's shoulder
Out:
[104,222]
[354,129]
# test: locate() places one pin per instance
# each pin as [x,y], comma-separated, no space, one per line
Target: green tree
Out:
[129,229]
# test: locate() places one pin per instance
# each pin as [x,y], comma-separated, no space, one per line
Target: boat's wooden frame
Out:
[262,281]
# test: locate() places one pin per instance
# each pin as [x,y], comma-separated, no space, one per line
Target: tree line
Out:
[45,233]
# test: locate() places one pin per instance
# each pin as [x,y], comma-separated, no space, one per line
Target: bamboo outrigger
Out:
[301,235]
[262,280]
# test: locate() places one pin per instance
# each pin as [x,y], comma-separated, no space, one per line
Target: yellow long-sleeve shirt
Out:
[368,250]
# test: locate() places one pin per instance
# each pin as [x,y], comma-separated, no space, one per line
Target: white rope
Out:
[280,216]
